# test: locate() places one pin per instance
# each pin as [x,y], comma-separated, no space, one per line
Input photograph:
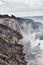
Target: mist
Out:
[33,46]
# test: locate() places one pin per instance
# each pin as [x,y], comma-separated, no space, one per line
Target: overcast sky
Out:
[21,7]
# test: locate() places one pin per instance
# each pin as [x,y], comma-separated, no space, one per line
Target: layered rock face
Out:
[11,53]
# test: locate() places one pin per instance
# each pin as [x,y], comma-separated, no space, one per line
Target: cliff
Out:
[11,53]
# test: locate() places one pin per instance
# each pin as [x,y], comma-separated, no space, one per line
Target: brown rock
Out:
[11,53]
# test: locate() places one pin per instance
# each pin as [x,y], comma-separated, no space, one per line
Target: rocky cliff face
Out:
[11,53]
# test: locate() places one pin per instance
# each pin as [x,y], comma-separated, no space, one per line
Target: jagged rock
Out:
[10,22]
[9,34]
[11,53]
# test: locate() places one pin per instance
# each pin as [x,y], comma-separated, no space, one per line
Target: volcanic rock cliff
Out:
[11,53]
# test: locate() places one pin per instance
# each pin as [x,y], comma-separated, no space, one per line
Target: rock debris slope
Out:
[11,53]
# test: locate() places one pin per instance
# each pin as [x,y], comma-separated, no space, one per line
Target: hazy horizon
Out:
[21,8]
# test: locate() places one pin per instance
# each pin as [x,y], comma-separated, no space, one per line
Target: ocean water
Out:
[33,40]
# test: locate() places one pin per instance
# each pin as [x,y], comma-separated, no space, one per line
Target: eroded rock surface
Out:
[11,53]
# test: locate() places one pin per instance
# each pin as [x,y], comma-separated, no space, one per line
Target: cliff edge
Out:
[11,53]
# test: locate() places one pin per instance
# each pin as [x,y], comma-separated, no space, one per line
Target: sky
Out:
[22,7]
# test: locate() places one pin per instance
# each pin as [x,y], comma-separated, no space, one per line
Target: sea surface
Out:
[33,40]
